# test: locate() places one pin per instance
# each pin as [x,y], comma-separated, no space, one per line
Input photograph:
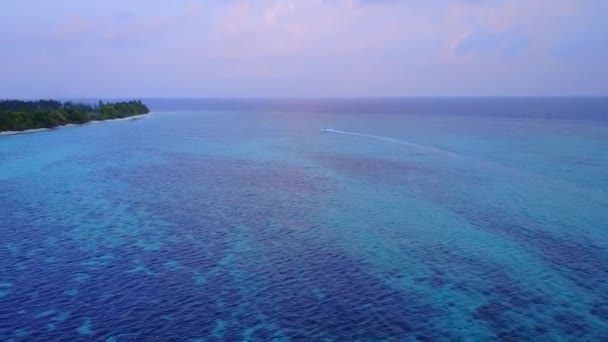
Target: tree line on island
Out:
[17,115]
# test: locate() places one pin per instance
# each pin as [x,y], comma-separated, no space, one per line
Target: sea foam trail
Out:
[505,170]
[392,140]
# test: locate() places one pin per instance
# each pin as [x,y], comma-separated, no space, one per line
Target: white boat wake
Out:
[391,140]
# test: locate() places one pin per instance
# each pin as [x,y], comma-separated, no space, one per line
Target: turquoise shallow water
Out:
[224,221]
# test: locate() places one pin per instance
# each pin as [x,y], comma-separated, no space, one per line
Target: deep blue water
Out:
[208,220]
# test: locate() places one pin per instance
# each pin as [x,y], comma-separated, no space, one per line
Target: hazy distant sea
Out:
[436,219]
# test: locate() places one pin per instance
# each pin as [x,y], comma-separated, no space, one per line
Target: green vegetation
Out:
[18,115]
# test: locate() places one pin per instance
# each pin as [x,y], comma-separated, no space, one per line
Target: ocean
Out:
[435,219]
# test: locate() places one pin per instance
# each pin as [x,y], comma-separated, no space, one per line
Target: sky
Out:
[303,48]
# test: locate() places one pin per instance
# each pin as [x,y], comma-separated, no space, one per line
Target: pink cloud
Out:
[324,46]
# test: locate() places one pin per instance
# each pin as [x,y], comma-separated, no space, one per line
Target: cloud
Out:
[126,30]
[588,39]
[303,47]
[583,45]
[81,27]
[506,43]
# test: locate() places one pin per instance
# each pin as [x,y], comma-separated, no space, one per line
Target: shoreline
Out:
[36,130]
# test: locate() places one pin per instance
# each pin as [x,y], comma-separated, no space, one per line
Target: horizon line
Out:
[70,98]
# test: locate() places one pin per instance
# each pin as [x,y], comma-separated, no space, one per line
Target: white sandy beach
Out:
[27,131]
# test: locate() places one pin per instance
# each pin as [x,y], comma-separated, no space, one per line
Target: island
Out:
[18,115]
